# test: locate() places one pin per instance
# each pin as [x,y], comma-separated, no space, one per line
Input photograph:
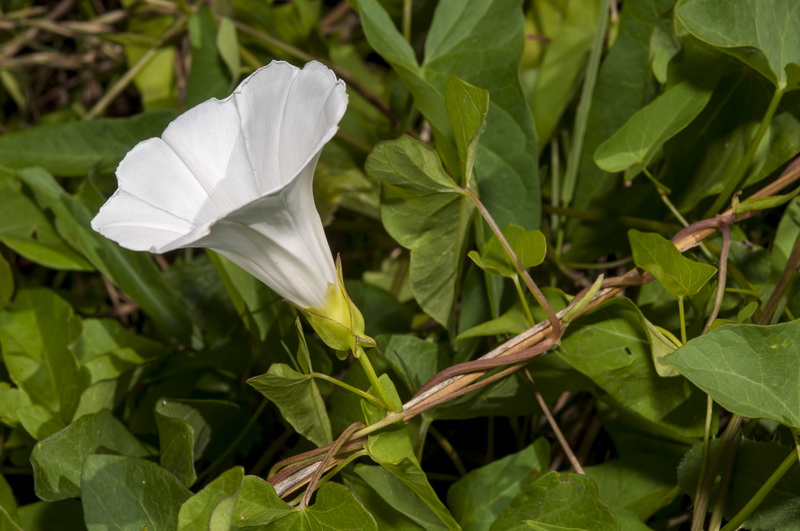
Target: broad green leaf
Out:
[699,158]
[660,347]
[565,57]
[35,332]
[466,107]
[424,210]
[107,349]
[335,509]
[7,522]
[39,421]
[755,461]
[624,84]
[297,397]
[213,507]
[552,502]
[478,498]
[12,401]
[6,282]
[384,511]
[27,231]
[258,504]
[679,275]
[505,165]
[748,369]
[102,395]
[761,34]
[57,460]
[530,247]
[638,483]
[411,511]
[77,148]
[634,144]
[611,347]
[414,360]
[228,47]
[135,273]
[208,77]
[188,429]
[156,81]
[393,451]
[127,493]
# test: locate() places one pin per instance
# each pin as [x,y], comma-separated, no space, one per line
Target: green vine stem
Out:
[682,315]
[791,265]
[291,473]
[363,394]
[373,378]
[727,445]
[534,289]
[736,172]
[112,93]
[765,489]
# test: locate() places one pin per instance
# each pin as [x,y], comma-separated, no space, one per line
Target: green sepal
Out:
[339,323]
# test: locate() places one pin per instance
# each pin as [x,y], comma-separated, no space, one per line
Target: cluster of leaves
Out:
[138,391]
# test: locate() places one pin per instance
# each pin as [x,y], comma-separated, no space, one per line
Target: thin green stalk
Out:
[682,315]
[407,10]
[736,173]
[762,493]
[235,443]
[555,183]
[725,452]
[600,265]
[584,106]
[525,307]
[791,265]
[534,289]
[706,448]
[628,221]
[363,394]
[449,450]
[663,193]
[126,79]
[373,379]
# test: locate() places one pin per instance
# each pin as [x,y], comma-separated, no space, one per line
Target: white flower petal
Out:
[138,225]
[304,109]
[236,176]
[154,173]
[209,141]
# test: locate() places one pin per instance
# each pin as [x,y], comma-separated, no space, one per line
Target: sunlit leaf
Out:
[761,34]
[679,275]
[57,460]
[145,495]
[424,210]
[298,398]
[748,369]
[552,503]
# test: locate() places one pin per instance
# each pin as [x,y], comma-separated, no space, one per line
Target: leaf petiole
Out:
[363,394]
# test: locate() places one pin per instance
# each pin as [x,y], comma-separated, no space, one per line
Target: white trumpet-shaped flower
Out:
[236,176]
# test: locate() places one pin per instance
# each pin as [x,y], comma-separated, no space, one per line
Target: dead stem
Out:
[459,380]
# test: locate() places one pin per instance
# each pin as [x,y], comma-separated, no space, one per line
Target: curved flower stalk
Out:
[235,175]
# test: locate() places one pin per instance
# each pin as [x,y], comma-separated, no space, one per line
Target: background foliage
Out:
[158,391]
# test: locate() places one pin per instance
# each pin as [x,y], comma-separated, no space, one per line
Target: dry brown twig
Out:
[455,381]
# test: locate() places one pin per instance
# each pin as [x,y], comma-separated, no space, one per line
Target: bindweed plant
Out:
[404,264]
